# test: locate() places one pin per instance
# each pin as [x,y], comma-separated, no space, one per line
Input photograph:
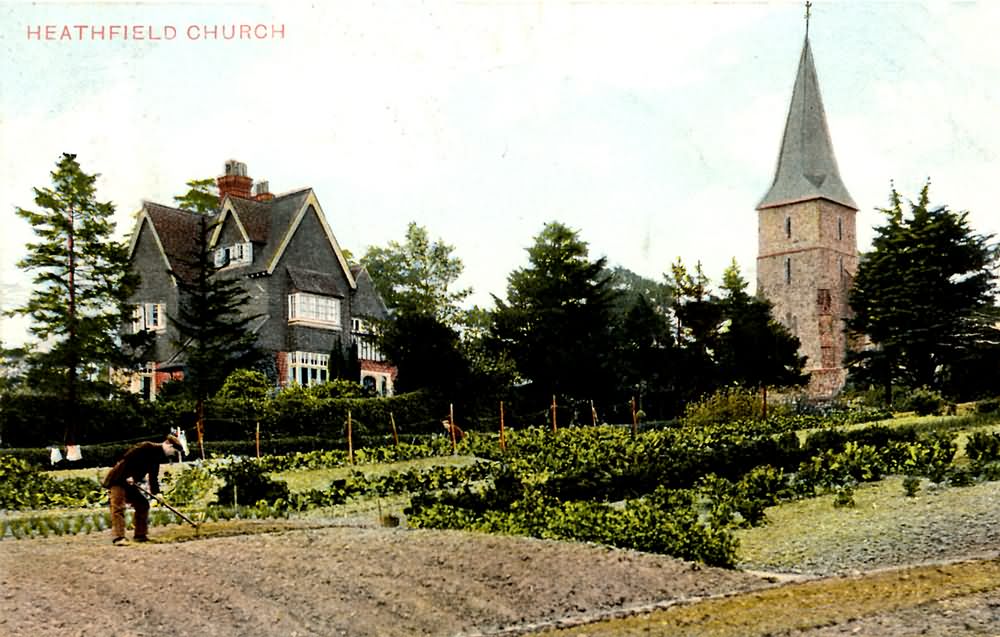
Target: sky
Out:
[651,127]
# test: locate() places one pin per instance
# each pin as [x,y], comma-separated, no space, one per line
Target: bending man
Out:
[140,461]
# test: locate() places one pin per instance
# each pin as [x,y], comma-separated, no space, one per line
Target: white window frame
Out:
[235,254]
[307,368]
[149,316]
[314,309]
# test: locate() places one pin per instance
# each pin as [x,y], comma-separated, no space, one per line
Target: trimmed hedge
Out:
[34,421]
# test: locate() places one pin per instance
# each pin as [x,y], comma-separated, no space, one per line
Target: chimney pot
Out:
[235,182]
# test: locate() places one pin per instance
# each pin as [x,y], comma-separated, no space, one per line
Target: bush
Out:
[988,406]
[983,446]
[245,481]
[911,486]
[926,402]
[728,404]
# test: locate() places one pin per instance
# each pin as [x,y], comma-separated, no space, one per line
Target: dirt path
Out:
[331,581]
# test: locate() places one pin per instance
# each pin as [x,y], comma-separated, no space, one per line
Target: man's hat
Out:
[176,443]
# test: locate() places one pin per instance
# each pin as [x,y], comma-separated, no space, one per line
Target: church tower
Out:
[807,245]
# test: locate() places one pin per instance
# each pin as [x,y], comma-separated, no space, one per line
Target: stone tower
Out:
[807,245]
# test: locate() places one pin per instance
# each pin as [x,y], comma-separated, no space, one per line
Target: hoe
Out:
[164,503]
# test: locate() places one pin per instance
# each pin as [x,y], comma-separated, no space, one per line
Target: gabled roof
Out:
[176,234]
[807,168]
[268,224]
[367,301]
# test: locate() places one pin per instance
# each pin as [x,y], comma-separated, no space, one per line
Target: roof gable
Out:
[176,234]
[309,203]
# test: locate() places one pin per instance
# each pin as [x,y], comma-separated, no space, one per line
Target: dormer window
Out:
[235,254]
[148,316]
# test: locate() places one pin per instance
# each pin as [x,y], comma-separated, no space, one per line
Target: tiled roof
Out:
[178,233]
[807,168]
[315,282]
[367,301]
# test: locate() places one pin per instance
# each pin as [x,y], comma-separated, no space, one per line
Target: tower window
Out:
[840,229]
[788,227]
[788,269]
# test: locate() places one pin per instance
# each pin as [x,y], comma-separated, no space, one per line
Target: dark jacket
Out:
[139,461]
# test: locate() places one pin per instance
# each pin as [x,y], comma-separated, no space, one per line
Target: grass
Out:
[299,480]
[884,528]
[802,606]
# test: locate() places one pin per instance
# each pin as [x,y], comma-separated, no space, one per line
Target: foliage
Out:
[926,402]
[555,322]
[23,486]
[81,286]
[923,295]
[417,276]
[212,330]
[193,485]
[728,404]
[983,447]
[245,480]
[911,486]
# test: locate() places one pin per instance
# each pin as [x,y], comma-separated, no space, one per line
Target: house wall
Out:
[155,286]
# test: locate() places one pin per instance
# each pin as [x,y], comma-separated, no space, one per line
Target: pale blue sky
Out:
[651,127]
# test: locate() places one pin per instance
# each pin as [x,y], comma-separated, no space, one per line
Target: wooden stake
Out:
[451,421]
[553,413]
[258,440]
[635,421]
[503,441]
[200,426]
[593,414]
[395,436]
[350,440]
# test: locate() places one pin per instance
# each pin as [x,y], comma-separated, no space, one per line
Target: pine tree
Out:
[212,326]
[81,288]
[556,321]
[923,296]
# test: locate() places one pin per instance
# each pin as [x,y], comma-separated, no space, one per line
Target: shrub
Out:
[728,404]
[926,402]
[244,481]
[911,486]
[983,446]
[988,406]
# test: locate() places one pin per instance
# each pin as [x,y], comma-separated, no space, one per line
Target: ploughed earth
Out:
[304,578]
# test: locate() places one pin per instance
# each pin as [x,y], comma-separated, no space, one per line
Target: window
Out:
[148,316]
[788,270]
[840,229]
[313,308]
[308,368]
[788,227]
[235,254]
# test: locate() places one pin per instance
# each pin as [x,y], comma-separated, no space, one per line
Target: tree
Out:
[81,288]
[418,276]
[754,350]
[556,321]
[923,296]
[213,329]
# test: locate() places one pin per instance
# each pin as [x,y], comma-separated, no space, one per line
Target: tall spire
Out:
[807,168]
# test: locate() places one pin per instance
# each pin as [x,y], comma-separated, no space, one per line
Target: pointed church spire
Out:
[807,168]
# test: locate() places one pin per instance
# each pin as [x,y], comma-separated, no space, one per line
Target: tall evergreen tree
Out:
[924,295]
[212,324]
[556,321]
[81,288]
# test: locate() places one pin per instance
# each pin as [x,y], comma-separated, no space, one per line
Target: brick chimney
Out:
[261,192]
[235,182]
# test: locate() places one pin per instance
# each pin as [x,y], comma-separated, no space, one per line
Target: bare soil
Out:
[321,577]
[297,580]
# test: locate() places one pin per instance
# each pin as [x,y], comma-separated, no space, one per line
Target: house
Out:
[308,299]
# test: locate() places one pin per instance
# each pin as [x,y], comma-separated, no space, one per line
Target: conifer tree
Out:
[211,321]
[923,296]
[81,284]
